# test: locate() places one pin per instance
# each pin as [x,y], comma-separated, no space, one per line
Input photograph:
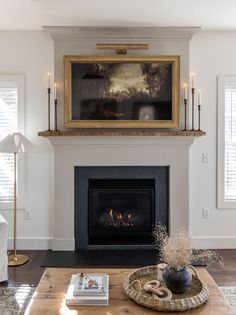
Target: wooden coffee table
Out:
[49,297]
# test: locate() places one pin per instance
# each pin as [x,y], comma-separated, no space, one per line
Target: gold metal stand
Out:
[15,260]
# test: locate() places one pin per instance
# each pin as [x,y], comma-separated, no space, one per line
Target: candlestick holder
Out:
[185,114]
[193,90]
[199,117]
[49,109]
[55,103]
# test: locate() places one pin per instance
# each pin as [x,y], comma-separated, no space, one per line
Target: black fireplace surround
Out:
[117,207]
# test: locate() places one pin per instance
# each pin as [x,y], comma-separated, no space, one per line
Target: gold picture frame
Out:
[121,91]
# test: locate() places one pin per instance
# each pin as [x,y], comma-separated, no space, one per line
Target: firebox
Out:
[121,211]
[117,206]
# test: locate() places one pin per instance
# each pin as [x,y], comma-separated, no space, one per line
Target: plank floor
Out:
[31,272]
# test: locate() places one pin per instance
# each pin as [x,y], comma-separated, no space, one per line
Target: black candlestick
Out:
[55,103]
[49,97]
[192,108]
[185,114]
[199,117]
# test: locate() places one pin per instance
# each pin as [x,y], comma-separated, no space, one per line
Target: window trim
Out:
[19,80]
[221,202]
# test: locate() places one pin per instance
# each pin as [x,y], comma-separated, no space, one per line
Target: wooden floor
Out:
[31,272]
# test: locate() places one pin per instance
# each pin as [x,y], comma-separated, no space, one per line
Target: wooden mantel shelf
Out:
[121,133]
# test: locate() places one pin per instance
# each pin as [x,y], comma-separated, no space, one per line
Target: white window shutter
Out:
[8,125]
[230,143]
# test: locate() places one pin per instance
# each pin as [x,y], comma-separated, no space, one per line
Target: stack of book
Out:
[88,289]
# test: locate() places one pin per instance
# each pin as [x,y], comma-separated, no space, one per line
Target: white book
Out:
[72,299]
[91,284]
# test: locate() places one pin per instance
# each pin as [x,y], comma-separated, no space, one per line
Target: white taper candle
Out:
[199,97]
[48,80]
[185,91]
[192,80]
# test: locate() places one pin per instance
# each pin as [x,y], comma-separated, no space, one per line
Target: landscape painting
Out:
[122,94]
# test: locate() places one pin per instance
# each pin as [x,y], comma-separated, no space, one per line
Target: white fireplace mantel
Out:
[117,151]
[122,141]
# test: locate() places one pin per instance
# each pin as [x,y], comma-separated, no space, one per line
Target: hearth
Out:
[117,207]
[121,211]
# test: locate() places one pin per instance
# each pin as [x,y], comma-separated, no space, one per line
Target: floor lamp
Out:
[16,143]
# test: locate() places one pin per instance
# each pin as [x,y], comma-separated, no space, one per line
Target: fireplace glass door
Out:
[121,211]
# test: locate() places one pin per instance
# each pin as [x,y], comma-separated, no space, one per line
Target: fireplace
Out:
[121,211]
[117,207]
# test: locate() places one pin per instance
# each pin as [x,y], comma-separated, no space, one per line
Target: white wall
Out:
[211,54]
[118,151]
[31,53]
[82,41]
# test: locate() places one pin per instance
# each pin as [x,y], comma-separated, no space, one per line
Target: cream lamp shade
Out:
[16,143]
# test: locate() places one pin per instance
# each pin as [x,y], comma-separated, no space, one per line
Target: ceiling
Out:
[33,14]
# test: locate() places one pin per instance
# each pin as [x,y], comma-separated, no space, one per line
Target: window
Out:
[11,120]
[227,142]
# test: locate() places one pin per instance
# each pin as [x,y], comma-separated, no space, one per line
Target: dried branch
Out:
[177,252]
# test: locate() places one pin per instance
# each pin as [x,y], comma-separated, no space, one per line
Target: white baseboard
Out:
[214,242]
[35,243]
[63,244]
[30,243]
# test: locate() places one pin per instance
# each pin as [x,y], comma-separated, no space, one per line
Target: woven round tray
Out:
[196,294]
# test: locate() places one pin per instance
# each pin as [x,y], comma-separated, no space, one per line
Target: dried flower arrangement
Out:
[177,252]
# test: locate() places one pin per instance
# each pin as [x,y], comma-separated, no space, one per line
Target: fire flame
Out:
[116,219]
[111,213]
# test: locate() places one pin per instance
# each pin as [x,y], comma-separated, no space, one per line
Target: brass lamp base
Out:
[17,260]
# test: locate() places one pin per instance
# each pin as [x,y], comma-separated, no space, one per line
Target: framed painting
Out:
[121,91]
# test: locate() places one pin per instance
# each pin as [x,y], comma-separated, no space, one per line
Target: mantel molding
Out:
[122,133]
[120,33]
[123,138]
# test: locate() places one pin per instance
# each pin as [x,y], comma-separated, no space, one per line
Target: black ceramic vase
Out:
[177,281]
